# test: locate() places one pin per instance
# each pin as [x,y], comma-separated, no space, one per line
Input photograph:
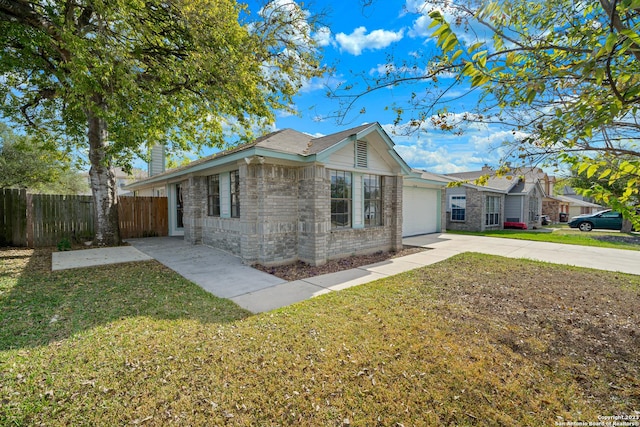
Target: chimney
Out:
[157,162]
[486,168]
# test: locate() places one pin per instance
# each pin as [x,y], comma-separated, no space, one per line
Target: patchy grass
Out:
[569,236]
[474,340]
[39,307]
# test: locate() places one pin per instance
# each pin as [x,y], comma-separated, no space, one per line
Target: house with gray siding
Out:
[289,196]
[476,204]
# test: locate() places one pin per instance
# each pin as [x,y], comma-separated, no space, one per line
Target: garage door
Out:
[419,211]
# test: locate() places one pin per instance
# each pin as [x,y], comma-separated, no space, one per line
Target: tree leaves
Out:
[192,65]
[565,73]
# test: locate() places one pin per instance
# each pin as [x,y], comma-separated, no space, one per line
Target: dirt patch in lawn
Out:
[301,270]
[631,240]
[585,322]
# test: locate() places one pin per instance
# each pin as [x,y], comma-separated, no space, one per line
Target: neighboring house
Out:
[556,208]
[576,206]
[122,180]
[513,199]
[561,208]
[288,196]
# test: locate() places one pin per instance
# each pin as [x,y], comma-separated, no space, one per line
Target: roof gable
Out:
[321,144]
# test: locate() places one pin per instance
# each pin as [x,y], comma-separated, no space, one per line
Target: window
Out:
[235,194]
[611,214]
[213,195]
[458,208]
[492,217]
[340,199]
[372,200]
[533,209]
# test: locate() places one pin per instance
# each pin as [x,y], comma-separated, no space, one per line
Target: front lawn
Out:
[474,340]
[602,239]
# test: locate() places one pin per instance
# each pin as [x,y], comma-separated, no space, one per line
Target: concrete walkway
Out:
[219,272]
[98,256]
[441,246]
[224,275]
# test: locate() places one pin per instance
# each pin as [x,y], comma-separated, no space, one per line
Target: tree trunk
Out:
[103,183]
[627,226]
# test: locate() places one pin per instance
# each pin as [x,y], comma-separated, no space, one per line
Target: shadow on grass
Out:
[38,306]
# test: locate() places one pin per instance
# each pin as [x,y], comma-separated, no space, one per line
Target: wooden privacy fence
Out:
[143,217]
[43,220]
[13,217]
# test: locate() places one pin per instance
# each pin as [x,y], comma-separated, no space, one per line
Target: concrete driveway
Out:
[447,245]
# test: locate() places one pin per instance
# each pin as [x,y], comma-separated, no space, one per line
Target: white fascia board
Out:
[220,161]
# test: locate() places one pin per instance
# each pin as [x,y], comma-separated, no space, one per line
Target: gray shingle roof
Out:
[510,182]
[320,144]
[288,141]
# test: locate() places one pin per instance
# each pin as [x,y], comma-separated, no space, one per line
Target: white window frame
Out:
[460,198]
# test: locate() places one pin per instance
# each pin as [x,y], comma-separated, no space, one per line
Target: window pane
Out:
[213,195]
[372,200]
[458,208]
[235,194]
[492,216]
[340,199]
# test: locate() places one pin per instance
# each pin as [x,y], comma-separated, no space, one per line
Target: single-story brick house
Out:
[515,198]
[289,196]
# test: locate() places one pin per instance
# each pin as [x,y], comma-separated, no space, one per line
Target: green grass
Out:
[449,344]
[568,236]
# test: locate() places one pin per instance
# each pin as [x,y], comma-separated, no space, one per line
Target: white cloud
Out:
[323,37]
[421,27]
[359,40]
[440,160]
[387,69]
[445,152]
[495,139]
[284,114]
[318,83]
[472,33]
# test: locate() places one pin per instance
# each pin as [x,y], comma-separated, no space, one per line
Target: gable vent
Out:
[361,154]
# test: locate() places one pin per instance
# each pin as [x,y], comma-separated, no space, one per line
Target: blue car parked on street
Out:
[609,220]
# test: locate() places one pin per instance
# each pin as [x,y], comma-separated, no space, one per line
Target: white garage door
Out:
[419,211]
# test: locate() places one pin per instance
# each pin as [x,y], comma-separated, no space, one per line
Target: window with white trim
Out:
[533,209]
[372,200]
[458,208]
[340,199]
[492,215]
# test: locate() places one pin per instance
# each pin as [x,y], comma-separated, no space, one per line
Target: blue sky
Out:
[360,40]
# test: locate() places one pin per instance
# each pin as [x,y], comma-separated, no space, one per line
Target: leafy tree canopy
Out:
[24,164]
[564,74]
[114,77]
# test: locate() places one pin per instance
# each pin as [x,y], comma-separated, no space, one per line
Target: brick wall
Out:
[346,242]
[222,233]
[473,215]
[194,208]
[314,213]
[551,207]
[285,216]
[269,223]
